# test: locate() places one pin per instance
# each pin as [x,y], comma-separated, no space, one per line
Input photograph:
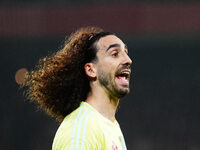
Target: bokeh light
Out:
[20,75]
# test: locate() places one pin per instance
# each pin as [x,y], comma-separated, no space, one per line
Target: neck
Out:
[103,103]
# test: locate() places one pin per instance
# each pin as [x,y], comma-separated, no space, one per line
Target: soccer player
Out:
[81,85]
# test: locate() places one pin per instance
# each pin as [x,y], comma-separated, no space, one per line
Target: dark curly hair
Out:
[59,83]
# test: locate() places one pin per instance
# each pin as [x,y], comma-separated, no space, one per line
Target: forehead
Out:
[108,40]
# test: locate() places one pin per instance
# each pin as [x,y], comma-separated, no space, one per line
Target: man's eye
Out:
[115,54]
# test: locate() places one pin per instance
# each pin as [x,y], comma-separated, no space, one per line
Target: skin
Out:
[106,89]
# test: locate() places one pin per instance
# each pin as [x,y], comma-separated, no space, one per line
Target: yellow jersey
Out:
[86,129]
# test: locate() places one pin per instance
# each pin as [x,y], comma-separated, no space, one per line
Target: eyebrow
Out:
[116,45]
[113,45]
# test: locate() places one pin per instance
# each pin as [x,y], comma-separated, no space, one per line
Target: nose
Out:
[127,60]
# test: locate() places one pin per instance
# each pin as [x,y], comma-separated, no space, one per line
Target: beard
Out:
[107,80]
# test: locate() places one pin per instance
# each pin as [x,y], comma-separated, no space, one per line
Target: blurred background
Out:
[161,112]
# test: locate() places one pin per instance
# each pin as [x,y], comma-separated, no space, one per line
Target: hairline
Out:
[97,48]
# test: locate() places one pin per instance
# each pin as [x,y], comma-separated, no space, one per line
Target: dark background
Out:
[163,38]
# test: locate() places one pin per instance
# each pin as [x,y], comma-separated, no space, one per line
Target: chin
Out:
[120,93]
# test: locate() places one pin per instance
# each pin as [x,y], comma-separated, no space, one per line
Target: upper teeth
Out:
[125,72]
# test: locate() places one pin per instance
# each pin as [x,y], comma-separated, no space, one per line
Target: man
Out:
[81,86]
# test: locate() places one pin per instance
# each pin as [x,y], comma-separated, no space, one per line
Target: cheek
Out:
[107,64]
[107,69]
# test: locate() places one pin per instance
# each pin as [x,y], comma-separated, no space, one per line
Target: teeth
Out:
[125,73]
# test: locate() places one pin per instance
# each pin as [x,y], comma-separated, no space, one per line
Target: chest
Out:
[113,138]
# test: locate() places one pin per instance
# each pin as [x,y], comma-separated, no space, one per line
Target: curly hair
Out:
[59,83]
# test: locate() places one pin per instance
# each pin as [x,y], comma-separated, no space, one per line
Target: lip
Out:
[122,78]
[126,70]
[122,71]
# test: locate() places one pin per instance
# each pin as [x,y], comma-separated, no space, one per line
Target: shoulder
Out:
[80,129]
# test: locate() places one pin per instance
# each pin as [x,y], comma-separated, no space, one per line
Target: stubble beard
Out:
[107,80]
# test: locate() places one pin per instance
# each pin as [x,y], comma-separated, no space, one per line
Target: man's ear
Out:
[90,70]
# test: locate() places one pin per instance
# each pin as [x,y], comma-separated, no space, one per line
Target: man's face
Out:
[113,66]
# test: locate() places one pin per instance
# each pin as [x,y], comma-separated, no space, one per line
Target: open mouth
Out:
[123,77]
